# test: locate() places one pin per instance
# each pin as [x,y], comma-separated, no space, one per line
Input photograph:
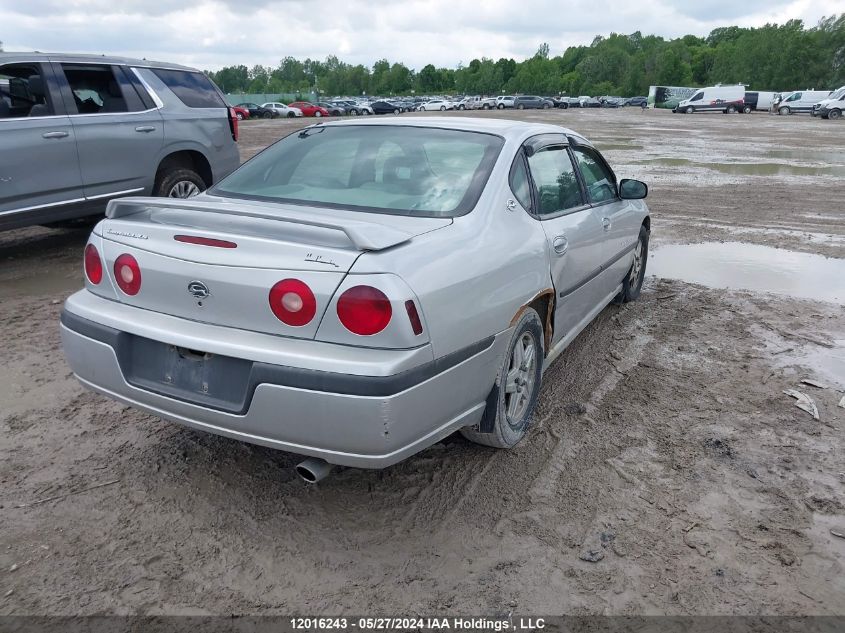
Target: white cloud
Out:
[214,33]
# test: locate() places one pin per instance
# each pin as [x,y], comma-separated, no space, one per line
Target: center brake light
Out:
[204,241]
[364,310]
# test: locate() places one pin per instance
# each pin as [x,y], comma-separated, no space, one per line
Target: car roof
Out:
[501,127]
[9,57]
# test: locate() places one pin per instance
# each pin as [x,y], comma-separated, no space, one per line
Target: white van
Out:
[832,107]
[727,99]
[758,101]
[801,101]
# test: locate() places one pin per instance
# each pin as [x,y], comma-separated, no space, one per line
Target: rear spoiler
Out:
[365,236]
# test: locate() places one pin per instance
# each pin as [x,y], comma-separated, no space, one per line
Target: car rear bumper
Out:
[363,420]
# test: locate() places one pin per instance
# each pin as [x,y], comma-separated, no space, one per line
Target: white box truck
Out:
[801,101]
[727,99]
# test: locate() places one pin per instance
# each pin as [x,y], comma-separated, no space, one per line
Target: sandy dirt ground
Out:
[665,473]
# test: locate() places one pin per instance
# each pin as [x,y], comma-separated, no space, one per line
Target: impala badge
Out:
[198,289]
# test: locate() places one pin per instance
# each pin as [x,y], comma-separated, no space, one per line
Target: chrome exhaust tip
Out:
[313,470]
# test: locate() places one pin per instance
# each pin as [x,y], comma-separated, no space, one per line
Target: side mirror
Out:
[630,189]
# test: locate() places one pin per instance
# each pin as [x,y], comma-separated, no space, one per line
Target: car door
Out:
[619,219]
[39,171]
[118,137]
[573,232]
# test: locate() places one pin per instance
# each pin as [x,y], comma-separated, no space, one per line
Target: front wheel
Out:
[834,115]
[633,282]
[784,110]
[396,111]
[730,110]
[318,114]
[520,107]
[500,107]
[746,110]
[690,110]
[291,115]
[545,106]
[516,389]
[267,115]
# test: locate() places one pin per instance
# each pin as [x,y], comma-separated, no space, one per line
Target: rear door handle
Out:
[54,135]
[145,128]
[605,222]
[560,244]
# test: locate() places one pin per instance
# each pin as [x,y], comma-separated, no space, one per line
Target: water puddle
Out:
[750,169]
[609,147]
[741,266]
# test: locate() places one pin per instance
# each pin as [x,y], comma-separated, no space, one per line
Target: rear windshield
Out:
[389,169]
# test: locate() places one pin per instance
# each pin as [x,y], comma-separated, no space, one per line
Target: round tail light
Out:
[127,273]
[93,265]
[292,302]
[364,310]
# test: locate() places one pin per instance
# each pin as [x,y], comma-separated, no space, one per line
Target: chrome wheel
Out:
[183,189]
[520,379]
[637,266]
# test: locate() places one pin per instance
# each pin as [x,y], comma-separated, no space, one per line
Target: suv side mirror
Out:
[630,189]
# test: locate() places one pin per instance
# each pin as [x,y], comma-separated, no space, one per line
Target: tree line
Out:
[771,57]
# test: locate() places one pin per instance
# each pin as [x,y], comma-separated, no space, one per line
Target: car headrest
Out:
[36,85]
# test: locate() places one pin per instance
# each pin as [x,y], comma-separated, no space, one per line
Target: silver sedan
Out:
[361,289]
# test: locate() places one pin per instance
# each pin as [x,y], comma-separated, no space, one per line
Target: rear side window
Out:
[195,90]
[23,92]
[98,89]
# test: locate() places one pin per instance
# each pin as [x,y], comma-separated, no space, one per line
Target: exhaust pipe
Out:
[313,470]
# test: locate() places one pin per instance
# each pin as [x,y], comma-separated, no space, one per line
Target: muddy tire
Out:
[834,115]
[178,183]
[784,111]
[517,387]
[633,282]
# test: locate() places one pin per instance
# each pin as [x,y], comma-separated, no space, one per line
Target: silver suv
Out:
[79,130]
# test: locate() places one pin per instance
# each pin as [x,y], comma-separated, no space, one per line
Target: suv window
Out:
[23,92]
[195,90]
[95,89]
[599,180]
[555,181]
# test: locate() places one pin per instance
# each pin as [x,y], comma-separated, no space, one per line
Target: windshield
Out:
[837,95]
[389,169]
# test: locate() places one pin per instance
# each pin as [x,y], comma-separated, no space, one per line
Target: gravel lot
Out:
[663,444]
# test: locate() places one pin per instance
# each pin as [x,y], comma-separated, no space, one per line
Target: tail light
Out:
[93,265]
[127,274]
[413,317]
[292,302]
[233,123]
[364,310]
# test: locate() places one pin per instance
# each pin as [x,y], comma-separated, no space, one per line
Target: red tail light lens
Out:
[127,274]
[233,124]
[413,317]
[364,310]
[93,265]
[293,302]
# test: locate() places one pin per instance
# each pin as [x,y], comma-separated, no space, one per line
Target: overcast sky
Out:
[212,33]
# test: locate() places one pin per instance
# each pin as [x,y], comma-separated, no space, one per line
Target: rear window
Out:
[388,169]
[195,90]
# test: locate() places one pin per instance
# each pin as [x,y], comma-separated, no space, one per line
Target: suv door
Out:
[119,138]
[619,218]
[40,173]
[573,233]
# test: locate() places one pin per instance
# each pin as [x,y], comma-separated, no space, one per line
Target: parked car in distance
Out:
[333,109]
[306,305]
[309,109]
[560,102]
[726,99]
[436,104]
[240,112]
[488,103]
[468,103]
[84,129]
[385,107]
[611,102]
[801,101]
[503,102]
[637,101]
[256,111]
[282,110]
[525,102]
[832,107]
[586,101]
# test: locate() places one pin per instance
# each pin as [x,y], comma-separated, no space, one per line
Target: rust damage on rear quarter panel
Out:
[547,328]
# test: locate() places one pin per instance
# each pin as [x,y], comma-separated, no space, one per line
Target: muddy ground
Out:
[663,444]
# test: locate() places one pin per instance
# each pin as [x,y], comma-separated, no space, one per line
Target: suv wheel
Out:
[501,106]
[179,183]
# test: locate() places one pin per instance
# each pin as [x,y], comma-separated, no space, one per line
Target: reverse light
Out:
[293,302]
[364,310]
[93,265]
[127,274]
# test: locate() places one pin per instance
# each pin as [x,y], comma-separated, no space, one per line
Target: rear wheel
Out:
[517,387]
[179,183]
[396,111]
[633,282]
[545,106]
[500,107]
[833,115]
[520,107]
[730,110]
[318,114]
[746,110]
[354,112]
